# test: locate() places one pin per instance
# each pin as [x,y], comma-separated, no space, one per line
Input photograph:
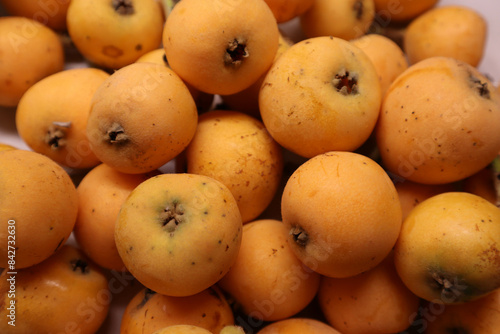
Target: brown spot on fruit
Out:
[358,9]
[112,51]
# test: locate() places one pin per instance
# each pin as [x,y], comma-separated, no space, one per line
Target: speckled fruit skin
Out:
[439,122]
[148,311]
[66,293]
[447,251]
[236,149]
[178,234]
[312,105]
[38,198]
[342,212]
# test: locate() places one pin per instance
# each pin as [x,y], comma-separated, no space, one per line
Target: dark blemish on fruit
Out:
[358,8]
[236,52]
[165,59]
[138,47]
[227,247]
[171,216]
[56,135]
[51,228]
[148,293]
[481,87]
[346,83]
[123,7]
[203,315]
[116,134]
[299,236]
[80,264]
[112,51]
[193,263]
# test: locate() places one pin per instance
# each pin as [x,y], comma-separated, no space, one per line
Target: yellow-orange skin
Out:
[482,184]
[30,52]
[147,312]
[154,108]
[236,149]
[349,210]
[101,193]
[387,57]
[411,194]
[60,104]
[479,316]
[247,100]
[346,19]
[55,296]
[182,329]
[450,31]
[112,40]
[402,10]
[452,236]
[298,326]
[50,13]
[286,10]
[203,100]
[428,134]
[302,108]
[198,33]
[267,280]
[191,255]
[373,302]
[6,147]
[40,197]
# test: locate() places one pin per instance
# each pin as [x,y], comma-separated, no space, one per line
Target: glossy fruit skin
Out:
[447,251]
[30,52]
[38,200]
[342,212]
[65,293]
[178,234]
[110,38]
[51,117]
[221,47]
[148,311]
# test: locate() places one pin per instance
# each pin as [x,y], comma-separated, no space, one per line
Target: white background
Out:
[490,65]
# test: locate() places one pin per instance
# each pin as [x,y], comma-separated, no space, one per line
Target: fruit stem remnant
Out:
[172,216]
[56,135]
[346,83]
[482,87]
[299,236]
[123,7]
[116,134]
[80,264]
[236,52]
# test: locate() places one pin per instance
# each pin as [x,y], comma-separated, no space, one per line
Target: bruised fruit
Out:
[373,302]
[141,117]
[51,117]
[237,150]
[342,212]
[66,293]
[30,52]
[315,104]
[221,47]
[178,234]
[450,31]
[117,32]
[149,311]
[38,208]
[267,280]
[439,122]
[447,251]
[346,19]
[101,193]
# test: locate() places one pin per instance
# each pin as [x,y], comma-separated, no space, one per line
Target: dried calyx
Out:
[56,135]
[481,87]
[358,9]
[299,236]
[116,134]
[346,82]
[172,216]
[236,52]
[80,264]
[123,7]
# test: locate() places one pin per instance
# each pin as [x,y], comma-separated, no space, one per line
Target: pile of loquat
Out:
[248,166]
